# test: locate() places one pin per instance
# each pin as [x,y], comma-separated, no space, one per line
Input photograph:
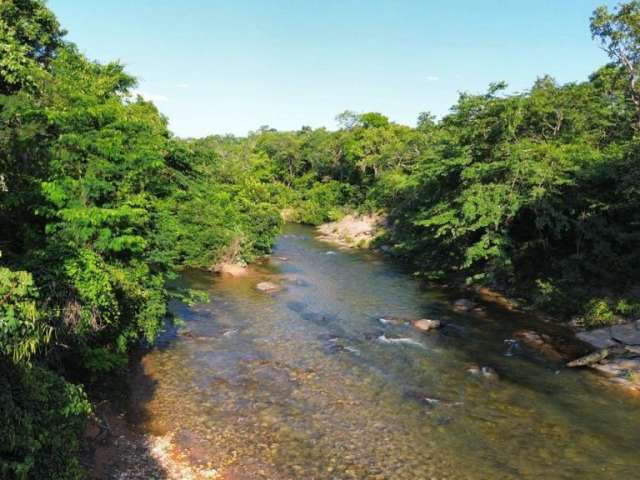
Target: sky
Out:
[232,66]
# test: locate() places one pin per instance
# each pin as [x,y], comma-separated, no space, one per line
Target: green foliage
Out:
[605,311]
[599,313]
[29,36]
[619,35]
[22,329]
[317,202]
[99,206]
[41,415]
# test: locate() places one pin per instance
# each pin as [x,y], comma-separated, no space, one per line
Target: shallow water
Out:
[308,383]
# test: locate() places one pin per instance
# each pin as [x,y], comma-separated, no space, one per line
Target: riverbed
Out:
[310,383]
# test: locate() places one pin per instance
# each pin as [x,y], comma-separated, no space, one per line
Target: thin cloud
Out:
[183,85]
[432,78]
[150,97]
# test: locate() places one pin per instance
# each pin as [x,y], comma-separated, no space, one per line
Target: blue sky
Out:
[230,66]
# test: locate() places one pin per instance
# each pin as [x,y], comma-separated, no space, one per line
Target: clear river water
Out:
[309,383]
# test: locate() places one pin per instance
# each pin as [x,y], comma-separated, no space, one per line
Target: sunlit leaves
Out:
[23,327]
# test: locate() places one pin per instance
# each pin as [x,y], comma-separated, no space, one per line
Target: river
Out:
[308,383]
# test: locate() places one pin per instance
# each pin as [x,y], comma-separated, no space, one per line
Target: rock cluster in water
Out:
[618,354]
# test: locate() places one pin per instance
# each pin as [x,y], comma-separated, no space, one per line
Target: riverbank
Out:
[114,449]
[353,230]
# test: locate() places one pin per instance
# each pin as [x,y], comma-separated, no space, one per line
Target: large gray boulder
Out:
[628,333]
[599,338]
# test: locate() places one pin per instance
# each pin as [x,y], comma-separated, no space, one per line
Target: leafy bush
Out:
[599,313]
[42,416]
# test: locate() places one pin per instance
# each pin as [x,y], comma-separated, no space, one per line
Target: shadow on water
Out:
[115,449]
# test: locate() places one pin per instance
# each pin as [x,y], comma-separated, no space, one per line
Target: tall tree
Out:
[29,37]
[619,34]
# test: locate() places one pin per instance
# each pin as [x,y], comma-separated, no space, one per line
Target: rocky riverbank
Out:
[613,353]
[616,354]
[619,365]
[113,450]
[353,231]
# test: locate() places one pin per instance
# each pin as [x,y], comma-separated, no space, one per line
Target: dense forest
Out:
[535,193]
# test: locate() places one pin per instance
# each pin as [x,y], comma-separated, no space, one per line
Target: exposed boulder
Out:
[352,231]
[426,324]
[233,269]
[628,333]
[599,338]
[617,357]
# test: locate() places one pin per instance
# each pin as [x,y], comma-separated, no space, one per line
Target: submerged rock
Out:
[539,342]
[490,373]
[295,280]
[335,344]
[426,324]
[297,307]
[484,371]
[480,310]
[424,399]
[463,305]
[399,341]
[268,287]
[474,369]
[452,330]
[391,320]
[496,297]
[512,347]
[621,371]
